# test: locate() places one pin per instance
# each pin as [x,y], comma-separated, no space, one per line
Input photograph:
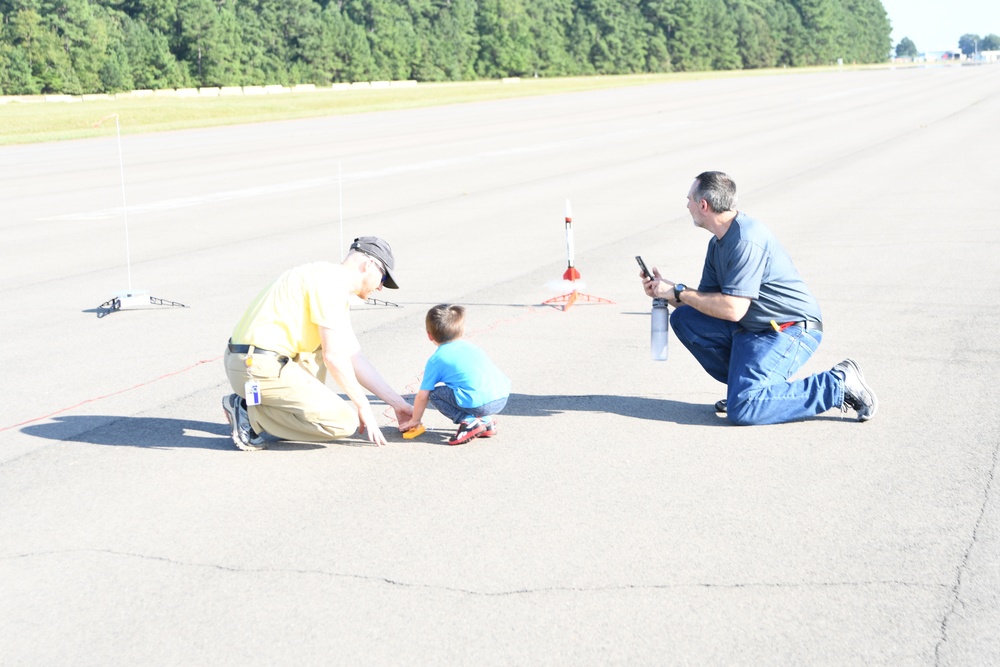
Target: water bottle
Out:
[659,329]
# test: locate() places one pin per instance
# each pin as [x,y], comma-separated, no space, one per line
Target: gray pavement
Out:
[615,519]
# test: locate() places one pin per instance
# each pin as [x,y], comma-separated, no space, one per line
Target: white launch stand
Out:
[128,299]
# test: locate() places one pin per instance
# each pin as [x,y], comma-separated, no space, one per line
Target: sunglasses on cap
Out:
[381,267]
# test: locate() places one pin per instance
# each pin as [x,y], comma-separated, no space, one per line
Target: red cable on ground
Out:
[114,393]
[493,326]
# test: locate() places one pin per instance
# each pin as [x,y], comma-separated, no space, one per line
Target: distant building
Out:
[940,56]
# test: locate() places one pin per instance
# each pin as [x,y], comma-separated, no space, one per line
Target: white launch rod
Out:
[340,197]
[569,234]
[121,168]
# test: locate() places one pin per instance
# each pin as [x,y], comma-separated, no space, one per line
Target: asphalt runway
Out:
[616,519]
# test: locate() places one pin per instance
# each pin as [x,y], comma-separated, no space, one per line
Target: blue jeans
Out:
[755,367]
[443,398]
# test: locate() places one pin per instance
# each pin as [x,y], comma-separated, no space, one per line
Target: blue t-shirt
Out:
[748,261]
[469,373]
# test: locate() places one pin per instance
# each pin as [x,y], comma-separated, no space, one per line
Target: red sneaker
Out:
[467,431]
[490,429]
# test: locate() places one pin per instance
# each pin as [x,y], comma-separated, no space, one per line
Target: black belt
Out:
[809,325]
[245,349]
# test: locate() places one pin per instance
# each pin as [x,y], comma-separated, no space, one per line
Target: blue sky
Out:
[936,25]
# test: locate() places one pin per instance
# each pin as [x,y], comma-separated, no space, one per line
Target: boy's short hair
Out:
[445,322]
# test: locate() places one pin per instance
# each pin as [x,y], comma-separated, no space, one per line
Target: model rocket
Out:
[572,275]
[571,272]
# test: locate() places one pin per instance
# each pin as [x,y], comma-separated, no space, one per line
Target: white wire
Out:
[121,166]
[340,202]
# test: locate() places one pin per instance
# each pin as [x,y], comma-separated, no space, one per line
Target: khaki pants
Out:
[295,404]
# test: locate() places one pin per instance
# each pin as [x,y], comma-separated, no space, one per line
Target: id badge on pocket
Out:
[252,390]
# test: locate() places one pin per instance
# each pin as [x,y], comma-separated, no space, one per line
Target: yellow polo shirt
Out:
[286,316]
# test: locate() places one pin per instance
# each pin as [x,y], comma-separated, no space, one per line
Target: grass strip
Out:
[23,122]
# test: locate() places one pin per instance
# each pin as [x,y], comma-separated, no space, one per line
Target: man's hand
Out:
[407,425]
[657,287]
[370,427]
[404,414]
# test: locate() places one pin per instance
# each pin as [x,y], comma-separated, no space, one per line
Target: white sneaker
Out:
[857,394]
[239,421]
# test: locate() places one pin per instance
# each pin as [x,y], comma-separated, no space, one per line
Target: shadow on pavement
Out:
[639,407]
[146,433]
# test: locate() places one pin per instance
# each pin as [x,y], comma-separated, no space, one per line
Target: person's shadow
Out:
[148,433]
[636,407]
[167,433]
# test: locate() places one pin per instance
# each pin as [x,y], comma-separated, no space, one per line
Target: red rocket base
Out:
[568,299]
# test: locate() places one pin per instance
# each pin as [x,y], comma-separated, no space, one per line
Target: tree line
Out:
[969,44]
[92,46]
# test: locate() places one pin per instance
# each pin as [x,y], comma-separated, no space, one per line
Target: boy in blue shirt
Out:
[459,379]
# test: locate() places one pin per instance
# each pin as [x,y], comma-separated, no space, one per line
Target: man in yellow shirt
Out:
[295,331]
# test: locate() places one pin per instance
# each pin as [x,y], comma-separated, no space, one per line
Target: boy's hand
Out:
[407,425]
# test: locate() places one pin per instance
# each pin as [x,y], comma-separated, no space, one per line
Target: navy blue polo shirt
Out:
[748,261]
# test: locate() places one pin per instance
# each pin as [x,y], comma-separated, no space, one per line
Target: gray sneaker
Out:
[857,394]
[239,421]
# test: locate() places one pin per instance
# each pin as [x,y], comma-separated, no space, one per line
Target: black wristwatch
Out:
[678,288]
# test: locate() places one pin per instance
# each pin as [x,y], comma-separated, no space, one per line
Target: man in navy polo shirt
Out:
[752,322]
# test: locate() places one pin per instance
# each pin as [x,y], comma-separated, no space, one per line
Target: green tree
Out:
[260,57]
[550,23]
[688,37]
[619,33]
[969,43]
[351,57]
[990,42]
[157,15]
[505,46]
[659,18]
[752,37]
[449,41]
[906,48]
[866,32]
[580,37]
[49,63]
[784,20]
[228,57]
[87,45]
[199,41]
[721,33]
[152,64]
[83,37]
[116,72]
[391,35]
[16,77]
[294,33]
[823,21]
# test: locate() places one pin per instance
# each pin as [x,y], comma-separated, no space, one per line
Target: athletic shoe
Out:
[490,429]
[857,394]
[243,434]
[721,406]
[467,430]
